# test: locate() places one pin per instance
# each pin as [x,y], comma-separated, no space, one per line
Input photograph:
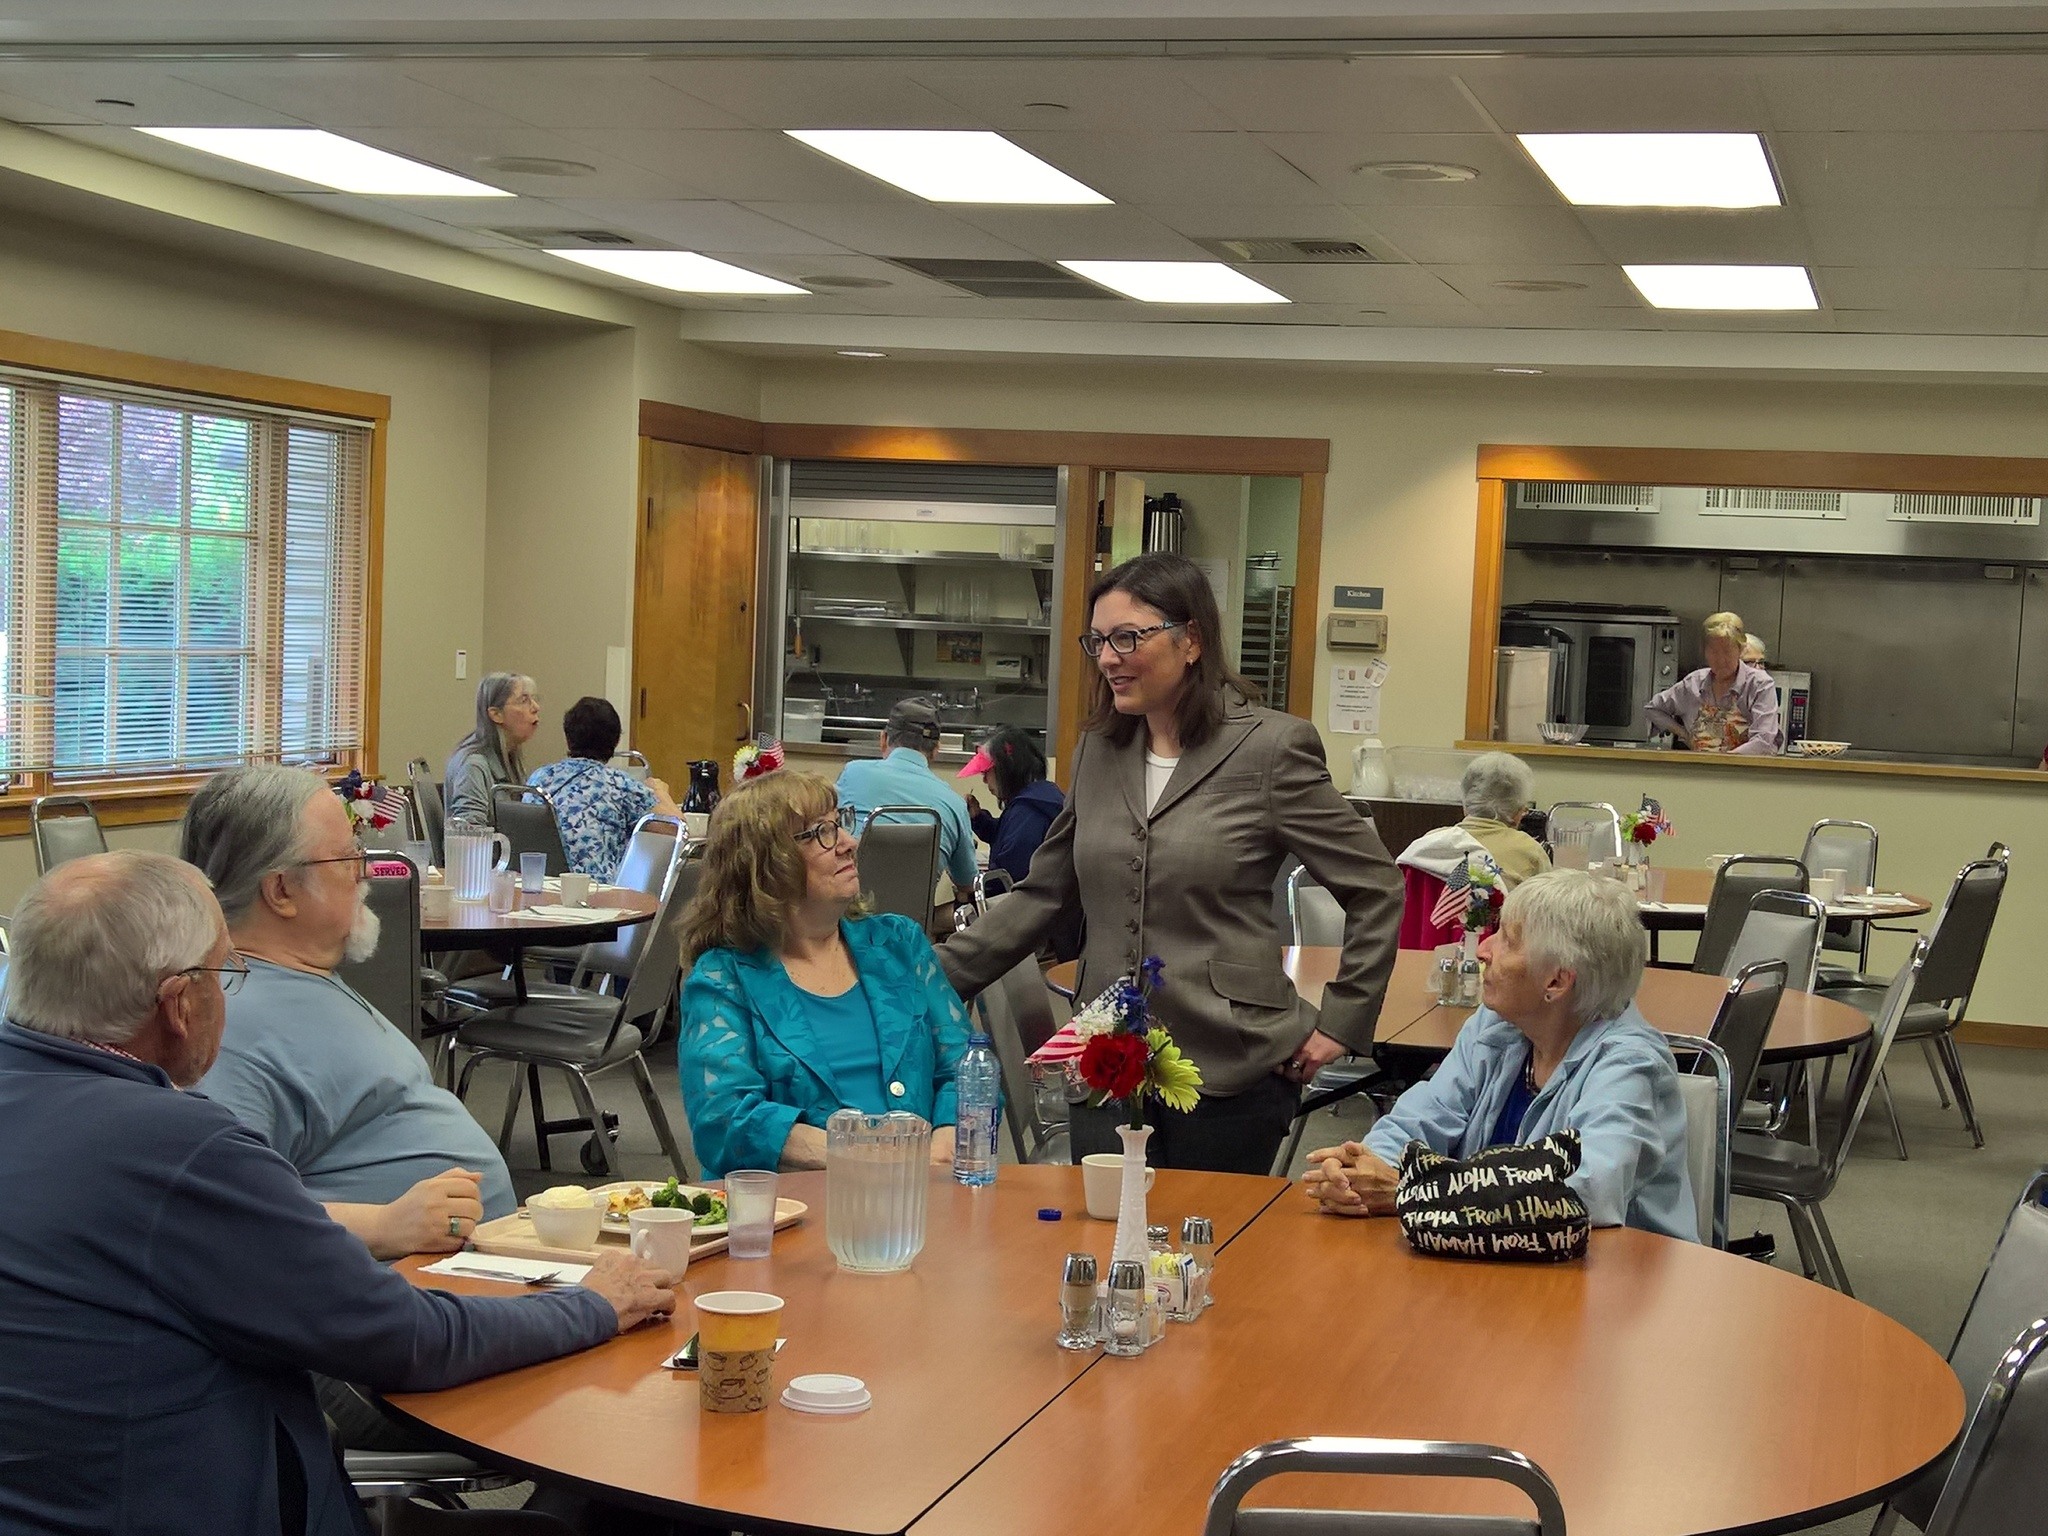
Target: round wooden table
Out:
[1667,1389]
[473,925]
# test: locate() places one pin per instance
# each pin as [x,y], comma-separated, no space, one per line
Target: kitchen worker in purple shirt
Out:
[1726,706]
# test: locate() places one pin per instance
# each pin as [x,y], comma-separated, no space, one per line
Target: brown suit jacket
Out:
[1192,883]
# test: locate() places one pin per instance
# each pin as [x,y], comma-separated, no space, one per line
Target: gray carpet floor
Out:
[1913,1235]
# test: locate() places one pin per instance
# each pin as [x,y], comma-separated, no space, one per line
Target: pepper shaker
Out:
[1129,1291]
[1077,1303]
[1198,1237]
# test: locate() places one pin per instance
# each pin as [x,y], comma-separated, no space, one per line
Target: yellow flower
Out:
[1172,1076]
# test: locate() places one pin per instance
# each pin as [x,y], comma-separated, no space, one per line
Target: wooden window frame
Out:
[135,799]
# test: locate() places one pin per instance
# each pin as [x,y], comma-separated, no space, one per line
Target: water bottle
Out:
[978,1086]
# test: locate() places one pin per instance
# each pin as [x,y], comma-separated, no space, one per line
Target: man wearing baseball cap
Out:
[904,776]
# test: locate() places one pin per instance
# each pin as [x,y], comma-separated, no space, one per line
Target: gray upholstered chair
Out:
[1591,827]
[899,860]
[1850,846]
[1736,884]
[1703,1087]
[1013,1010]
[1314,916]
[390,979]
[1379,1458]
[64,828]
[424,806]
[1999,1483]
[526,816]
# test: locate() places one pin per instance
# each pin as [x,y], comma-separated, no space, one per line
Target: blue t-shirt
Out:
[342,1095]
[845,1027]
[596,808]
[904,777]
[1507,1128]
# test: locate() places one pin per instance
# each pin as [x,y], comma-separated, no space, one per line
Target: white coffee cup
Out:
[1102,1182]
[1716,860]
[1827,889]
[437,902]
[575,889]
[661,1237]
[697,824]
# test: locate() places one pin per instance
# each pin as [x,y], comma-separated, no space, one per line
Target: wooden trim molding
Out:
[1729,762]
[699,429]
[991,445]
[1939,474]
[1489,551]
[1076,574]
[1308,610]
[111,367]
[373,599]
[2031,1037]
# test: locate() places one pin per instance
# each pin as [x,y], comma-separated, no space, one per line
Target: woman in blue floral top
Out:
[798,1003]
[597,805]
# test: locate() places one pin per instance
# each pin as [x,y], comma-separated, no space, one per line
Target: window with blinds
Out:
[185,583]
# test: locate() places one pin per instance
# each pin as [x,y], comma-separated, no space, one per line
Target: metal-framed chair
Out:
[1999,1482]
[1379,1458]
[1583,831]
[1742,1025]
[1850,846]
[1314,916]
[584,1036]
[424,805]
[1780,925]
[636,763]
[2011,1293]
[64,827]
[525,814]
[898,859]
[1014,1008]
[1955,953]
[385,1480]
[1705,1088]
[390,980]
[1736,884]
[1800,1178]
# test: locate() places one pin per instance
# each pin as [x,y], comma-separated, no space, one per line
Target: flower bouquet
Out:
[368,805]
[1482,912]
[1125,1056]
[1642,828]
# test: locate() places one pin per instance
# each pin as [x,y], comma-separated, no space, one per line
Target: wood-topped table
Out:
[1668,1389]
[1679,895]
[473,925]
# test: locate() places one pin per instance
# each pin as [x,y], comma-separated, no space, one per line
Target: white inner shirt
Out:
[1157,771]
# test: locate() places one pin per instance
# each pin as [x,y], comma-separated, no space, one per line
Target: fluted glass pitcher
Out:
[876,1172]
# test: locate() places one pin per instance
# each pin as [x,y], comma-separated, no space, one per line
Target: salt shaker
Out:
[1159,1239]
[1198,1238]
[1077,1303]
[1129,1292]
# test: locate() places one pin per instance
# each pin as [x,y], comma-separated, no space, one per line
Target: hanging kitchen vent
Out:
[1755,501]
[1582,496]
[2003,511]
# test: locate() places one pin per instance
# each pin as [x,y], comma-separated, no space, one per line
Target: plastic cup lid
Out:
[827,1394]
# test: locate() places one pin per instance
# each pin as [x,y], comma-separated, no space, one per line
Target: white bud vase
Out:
[1130,1204]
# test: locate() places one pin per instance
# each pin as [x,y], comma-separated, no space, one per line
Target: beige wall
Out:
[1400,513]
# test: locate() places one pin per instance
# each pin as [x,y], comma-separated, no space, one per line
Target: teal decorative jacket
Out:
[752,1066]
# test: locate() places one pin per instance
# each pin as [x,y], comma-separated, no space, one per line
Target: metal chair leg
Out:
[461,1085]
[1887,1522]
[663,1132]
[1817,1244]
[1293,1146]
[540,1117]
[1802,1238]
[513,1093]
[1934,1070]
[1891,1112]
[1952,1058]
[579,1090]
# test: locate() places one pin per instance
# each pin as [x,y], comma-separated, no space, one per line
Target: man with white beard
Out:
[320,1074]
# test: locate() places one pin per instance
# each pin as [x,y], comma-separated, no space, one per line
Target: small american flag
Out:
[1450,908]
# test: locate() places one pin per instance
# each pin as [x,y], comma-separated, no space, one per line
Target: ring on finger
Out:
[455,1226]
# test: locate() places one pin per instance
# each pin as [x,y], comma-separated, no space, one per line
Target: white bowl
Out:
[567,1226]
[1820,748]
[1560,735]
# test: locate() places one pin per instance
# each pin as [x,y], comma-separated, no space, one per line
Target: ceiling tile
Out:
[1434,236]
[1899,93]
[161,98]
[1961,238]
[1334,95]
[1912,170]
[343,94]
[464,149]
[1175,167]
[1101,94]
[750,165]
[815,93]
[1085,234]
[1928,296]
[140,146]
[1369,284]
[906,228]
[1506,175]
[1616,94]
[699,225]
[571,93]
[1601,287]
[1756,235]
[1233,221]
[417,221]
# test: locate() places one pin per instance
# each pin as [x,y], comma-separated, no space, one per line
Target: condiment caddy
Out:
[1126,1311]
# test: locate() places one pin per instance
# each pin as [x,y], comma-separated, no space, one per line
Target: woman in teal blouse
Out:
[798,1002]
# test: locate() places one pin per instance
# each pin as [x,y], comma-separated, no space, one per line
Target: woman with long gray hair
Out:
[507,715]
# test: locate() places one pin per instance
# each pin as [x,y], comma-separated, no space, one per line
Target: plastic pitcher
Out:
[471,862]
[877,1169]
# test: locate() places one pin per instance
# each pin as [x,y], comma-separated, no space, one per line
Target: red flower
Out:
[1114,1065]
[1645,832]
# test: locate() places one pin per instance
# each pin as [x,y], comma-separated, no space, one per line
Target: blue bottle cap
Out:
[1050,1213]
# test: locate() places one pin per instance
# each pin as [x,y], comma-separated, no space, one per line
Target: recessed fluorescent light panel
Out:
[1657,170]
[1176,282]
[950,166]
[1676,287]
[327,160]
[680,271]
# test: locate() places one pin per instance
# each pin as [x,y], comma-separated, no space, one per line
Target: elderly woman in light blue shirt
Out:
[1558,1045]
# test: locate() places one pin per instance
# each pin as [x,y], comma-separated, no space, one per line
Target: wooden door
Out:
[693,608]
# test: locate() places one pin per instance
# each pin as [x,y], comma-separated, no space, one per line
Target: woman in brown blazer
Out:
[1186,799]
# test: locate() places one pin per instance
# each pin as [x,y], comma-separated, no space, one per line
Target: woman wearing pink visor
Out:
[1013,767]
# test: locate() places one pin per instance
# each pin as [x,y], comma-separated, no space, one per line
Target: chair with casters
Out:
[2011,1294]
[1704,1088]
[1736,884]
[1800,1178]
[1380,1458]
[526,816]
[585,1036]
[424,805]
[1942,998]
[1591,825]
[64,828]
[899,860]
[1016,1006]
[1851,847]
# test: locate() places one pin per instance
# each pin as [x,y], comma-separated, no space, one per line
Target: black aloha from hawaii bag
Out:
[1503,1203]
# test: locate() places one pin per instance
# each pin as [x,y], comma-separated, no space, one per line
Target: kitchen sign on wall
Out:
[1358,597]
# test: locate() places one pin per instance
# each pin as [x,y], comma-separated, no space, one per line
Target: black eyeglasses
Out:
[1123,641]
[826,834]
[230,977]
[359,858]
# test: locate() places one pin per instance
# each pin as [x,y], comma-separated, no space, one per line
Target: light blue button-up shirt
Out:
[905,777]
[1617,1087]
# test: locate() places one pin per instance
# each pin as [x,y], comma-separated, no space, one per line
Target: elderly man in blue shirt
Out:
[1558,1045]
[167,1283]
[904,777]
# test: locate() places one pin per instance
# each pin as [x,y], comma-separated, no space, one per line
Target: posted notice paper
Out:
[1355,697]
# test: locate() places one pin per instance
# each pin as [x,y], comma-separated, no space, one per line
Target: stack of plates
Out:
[827,1394]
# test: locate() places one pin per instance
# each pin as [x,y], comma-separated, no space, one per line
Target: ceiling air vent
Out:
[1289,252]
[1005,279]
[1755,501]
[1582,496]
[565,239]
[2004,511]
